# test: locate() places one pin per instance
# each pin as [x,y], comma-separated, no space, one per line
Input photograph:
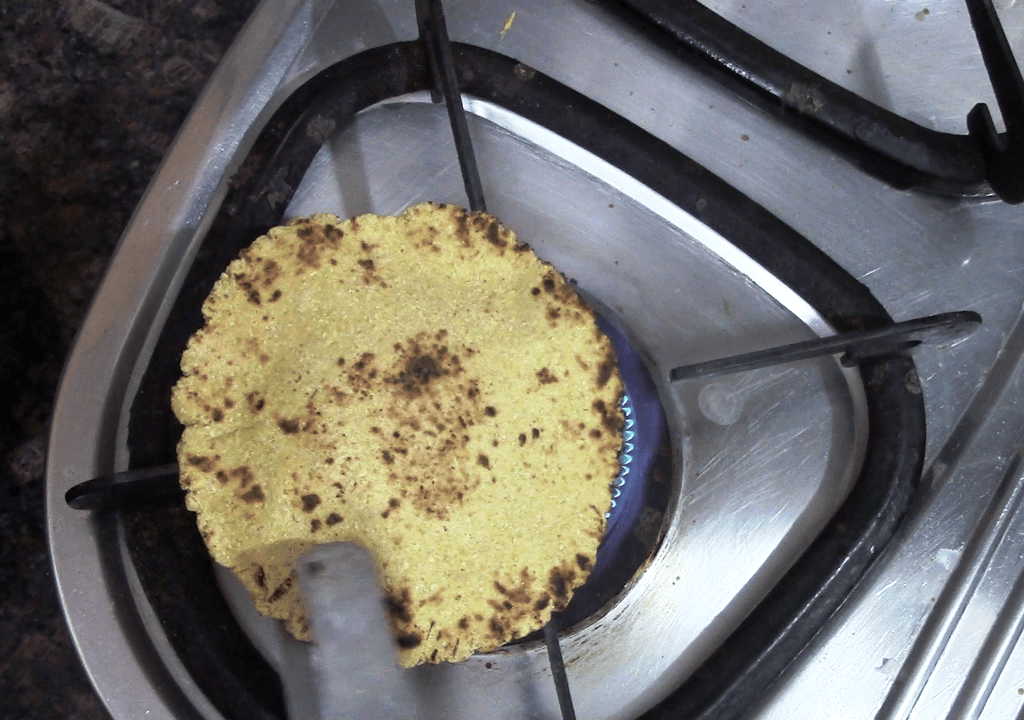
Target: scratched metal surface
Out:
[942,606]
[917,58]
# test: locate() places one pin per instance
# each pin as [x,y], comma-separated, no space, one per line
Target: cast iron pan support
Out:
[1004,155]
[890,147]
[434,36]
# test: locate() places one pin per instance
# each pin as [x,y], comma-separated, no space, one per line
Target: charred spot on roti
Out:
[333,519]
[201,462]
[546,377]
[611,419]
[310,502]
[289,426]
[605,371]
[399,606]
[281,589]
[559,581]
[253,495]
[409,640]
[254,401]
[243,474]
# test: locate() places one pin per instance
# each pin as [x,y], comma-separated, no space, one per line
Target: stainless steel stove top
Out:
[763,459]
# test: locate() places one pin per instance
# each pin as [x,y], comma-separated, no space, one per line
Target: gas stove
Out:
[821,538]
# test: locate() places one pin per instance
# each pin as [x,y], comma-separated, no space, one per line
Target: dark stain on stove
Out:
[253,495]
[320,128]
[281,589]
[309,502]
[805,98]
[524,72]
[913,382]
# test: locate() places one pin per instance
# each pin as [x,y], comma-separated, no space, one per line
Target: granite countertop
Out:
[91,96]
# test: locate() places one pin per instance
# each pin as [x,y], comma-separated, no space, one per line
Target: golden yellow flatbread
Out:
[421,385]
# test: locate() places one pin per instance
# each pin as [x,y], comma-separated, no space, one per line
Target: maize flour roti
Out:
[422,385]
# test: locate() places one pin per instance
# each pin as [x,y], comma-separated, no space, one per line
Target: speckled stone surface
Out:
[91,96]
